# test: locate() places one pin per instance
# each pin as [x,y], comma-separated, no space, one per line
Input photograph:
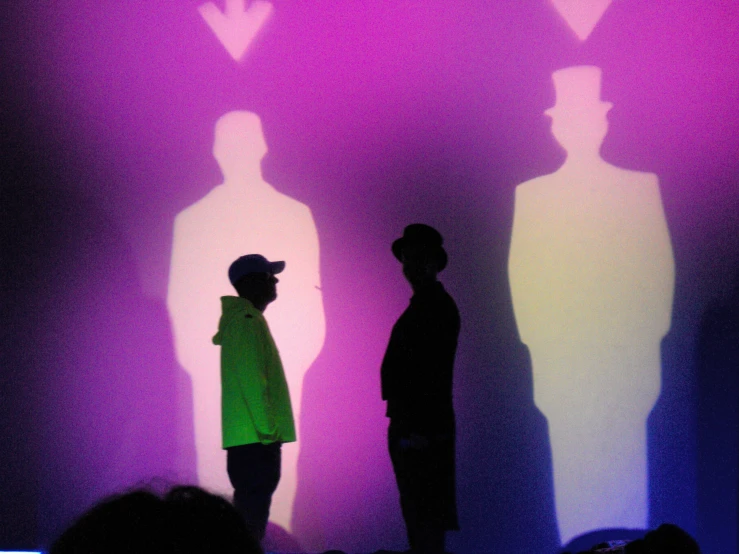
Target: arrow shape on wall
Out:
[582,15]
[237,27]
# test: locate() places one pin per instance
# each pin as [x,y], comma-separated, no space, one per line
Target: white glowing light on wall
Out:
[238,26]
[592,277]
[241,216]
[582,15]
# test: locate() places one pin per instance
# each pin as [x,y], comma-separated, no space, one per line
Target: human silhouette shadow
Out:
[244,214]
[670,119]
[592,278]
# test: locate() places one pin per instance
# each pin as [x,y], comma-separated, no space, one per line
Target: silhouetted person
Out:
[592,278]
[666,539]
[255,402]
[243,214]
[187,520]
[417,385]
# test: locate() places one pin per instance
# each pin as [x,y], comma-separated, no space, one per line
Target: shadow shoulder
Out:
[635,177]
[215,196]
[535,186]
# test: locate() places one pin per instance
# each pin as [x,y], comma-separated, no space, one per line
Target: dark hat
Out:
[421,237]
[252,263]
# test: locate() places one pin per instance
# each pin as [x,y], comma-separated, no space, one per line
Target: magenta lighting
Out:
[579,158]
[237,27]
[592,278]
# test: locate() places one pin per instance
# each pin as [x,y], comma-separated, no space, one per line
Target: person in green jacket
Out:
[255,402]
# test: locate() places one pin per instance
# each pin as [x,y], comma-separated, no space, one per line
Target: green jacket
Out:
[255,402]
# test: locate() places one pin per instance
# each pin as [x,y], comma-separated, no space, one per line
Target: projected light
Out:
[582,15]
[592,276]
[237,27]
[241,216]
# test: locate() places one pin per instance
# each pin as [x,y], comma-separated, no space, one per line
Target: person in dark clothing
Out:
[416,380]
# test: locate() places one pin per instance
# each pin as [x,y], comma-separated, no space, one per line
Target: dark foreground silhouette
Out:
[666,539]
[185,520]
[189,520]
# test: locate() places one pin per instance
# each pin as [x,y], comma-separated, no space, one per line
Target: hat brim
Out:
[439,252]
[276,267]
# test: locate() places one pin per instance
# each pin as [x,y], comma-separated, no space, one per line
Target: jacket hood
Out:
[231,308]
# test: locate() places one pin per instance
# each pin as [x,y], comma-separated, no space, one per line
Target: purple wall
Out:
[376,115]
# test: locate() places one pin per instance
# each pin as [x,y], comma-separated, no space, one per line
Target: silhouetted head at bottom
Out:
[666,539]
[185,520]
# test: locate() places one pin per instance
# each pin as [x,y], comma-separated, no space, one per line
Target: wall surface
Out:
[375,115]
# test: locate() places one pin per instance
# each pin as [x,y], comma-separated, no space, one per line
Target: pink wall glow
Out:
[375,115]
